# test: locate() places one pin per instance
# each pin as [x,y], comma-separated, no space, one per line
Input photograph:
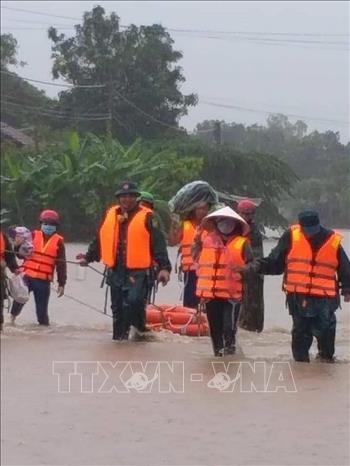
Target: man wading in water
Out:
[129,242]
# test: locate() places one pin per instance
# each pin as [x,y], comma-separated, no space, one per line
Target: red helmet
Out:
[51,215]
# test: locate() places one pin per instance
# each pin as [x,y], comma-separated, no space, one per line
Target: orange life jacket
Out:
[308,272]
[2,246]
[214,277]
[189,232]
[138,240]
[41,264]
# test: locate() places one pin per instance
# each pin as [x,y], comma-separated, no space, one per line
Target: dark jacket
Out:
[275,263]
[61,264]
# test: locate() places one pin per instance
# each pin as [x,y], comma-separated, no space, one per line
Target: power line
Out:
[254,110]
[38,13]
[238,37]
[258,33]
[52,110]
[28,21]
[261,41]
[41,111]
[147,114]
[305,44]
[274,40]
[14,28]
[198,31]
[102,85]
[89,116]
[70,86]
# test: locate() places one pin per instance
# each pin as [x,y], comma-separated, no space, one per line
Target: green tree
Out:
[136,67]
[8,47]
[228,170]
[22,104]
[320,161]
[79,177]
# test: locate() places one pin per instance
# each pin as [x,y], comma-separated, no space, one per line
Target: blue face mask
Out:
[48,229]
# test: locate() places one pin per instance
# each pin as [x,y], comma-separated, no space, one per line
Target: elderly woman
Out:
[216,255]
[251,316]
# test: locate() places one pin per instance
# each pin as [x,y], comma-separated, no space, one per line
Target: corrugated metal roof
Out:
[16,135]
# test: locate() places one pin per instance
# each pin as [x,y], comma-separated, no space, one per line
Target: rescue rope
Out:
[79,301]
[63,260]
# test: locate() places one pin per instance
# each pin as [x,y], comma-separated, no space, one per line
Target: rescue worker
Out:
[251,316]
[49,254]
[183,234]
[128,241]
[223,248]
[315,267]
[7,259]
[146,200]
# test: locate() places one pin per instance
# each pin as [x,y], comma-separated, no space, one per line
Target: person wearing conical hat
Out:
[224,247]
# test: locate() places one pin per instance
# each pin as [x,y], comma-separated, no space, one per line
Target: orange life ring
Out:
[191,330]
[178,319]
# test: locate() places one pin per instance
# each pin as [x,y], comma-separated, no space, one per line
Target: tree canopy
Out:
[320,160]
[135,72]
[22,104]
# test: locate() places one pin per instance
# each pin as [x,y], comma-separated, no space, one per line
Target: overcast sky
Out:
[298,78]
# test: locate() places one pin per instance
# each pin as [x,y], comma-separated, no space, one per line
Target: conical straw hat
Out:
[227,212]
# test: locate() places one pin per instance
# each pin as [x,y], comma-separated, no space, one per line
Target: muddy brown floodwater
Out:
[72,396]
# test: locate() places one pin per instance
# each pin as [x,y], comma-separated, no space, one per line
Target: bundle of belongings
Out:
[190,196]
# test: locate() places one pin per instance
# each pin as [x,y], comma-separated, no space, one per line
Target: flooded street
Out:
[183,416]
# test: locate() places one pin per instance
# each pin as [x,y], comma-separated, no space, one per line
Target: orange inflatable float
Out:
[178,319]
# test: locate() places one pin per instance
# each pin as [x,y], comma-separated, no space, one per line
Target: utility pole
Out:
[75,116]
[110,109]
[217,133]
[36,138]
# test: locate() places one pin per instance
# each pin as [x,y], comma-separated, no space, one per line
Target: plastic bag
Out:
[190,196]
[18,289]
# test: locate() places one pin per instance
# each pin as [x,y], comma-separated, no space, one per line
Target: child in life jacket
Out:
[22,241]
[218,286]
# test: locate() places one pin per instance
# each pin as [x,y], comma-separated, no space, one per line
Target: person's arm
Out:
[175,233]
[344,272]
[61,268]
[158,244]
[197,245]
[159,249]
[257,242]
[274,263]
[252,265]
[93,253]
[10,258]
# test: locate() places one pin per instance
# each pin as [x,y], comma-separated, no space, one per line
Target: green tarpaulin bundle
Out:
[190,196]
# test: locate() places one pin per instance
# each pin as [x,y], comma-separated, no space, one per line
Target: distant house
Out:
[15,136]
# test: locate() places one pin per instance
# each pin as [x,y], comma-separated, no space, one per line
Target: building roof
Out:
[16,135]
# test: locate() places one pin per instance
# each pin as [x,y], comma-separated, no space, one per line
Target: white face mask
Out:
[226,226]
